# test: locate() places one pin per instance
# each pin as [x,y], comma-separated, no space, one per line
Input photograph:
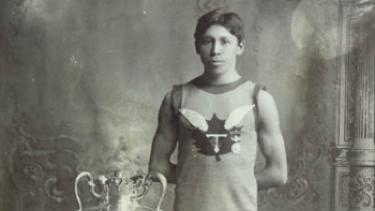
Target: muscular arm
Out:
[271,143]
[164,141]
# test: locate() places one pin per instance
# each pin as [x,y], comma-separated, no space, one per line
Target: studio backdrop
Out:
[81,82]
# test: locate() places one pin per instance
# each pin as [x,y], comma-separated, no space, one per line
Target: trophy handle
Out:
[163,182]
[82,174]
[102,196]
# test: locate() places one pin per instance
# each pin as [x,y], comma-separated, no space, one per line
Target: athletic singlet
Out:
[217,143]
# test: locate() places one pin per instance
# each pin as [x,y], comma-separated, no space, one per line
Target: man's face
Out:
[218,49]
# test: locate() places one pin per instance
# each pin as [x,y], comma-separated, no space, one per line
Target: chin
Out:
[216,72]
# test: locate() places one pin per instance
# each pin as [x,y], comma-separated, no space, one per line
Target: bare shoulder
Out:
[265,98]
[167,100]
[166,109]
[267,108]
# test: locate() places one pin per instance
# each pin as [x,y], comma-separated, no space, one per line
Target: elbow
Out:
[282,179]
[155,166]
[279,176]
[164,168]
[279,181]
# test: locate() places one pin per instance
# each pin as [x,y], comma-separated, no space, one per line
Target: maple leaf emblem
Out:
[216,141]
[216,137]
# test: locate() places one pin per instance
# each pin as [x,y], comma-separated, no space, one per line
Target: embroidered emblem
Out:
[216,137]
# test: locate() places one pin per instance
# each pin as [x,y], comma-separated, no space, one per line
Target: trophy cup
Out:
[118,193]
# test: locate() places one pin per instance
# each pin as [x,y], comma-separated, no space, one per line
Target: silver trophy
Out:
[118,193]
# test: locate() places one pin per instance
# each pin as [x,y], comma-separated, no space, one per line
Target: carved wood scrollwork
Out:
[298,191]
[43,170]
[362,189]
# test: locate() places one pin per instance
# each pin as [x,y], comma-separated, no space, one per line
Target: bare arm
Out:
[271,143]
[164,142]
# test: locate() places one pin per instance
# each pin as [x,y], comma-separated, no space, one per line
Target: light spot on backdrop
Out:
[313,18]
[314,24]
[48,10]
[144,6]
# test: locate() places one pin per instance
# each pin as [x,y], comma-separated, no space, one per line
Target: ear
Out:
[240,48]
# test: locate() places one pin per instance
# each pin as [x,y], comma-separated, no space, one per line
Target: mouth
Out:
[217,61]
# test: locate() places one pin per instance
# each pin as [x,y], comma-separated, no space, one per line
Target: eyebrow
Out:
[207,36]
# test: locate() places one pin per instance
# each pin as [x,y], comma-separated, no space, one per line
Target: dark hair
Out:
[230,20]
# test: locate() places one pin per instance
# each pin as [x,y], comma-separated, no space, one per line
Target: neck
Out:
[218,79]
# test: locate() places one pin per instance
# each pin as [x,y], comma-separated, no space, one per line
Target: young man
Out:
[218,119]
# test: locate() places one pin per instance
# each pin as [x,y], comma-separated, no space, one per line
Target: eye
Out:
[225,41]
[205,41]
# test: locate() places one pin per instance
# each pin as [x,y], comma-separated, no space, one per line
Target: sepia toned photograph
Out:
[187,105]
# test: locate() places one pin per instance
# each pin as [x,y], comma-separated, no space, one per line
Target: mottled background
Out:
[81,82]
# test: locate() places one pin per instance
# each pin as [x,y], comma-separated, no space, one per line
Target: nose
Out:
[216,48]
